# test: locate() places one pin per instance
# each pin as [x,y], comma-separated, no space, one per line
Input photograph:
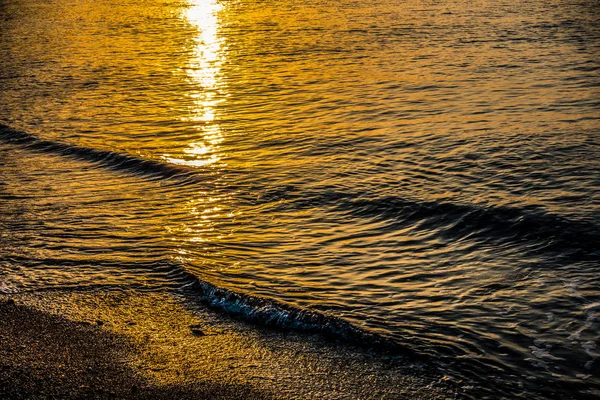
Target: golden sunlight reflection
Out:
[203,73]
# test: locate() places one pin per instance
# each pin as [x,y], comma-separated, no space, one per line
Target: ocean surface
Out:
[422,176]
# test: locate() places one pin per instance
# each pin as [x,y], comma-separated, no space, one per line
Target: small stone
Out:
[197,332]
[10,301]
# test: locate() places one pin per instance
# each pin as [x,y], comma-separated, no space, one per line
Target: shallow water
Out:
[427,172]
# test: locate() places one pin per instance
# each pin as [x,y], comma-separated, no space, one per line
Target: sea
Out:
[413,176]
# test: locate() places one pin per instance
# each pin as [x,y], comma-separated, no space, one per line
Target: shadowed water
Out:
[422,176]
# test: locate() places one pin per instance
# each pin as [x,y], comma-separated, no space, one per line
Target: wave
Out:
[498,224]
[247,307]
[577,239]
[105,158]
[270,313]
[466,220]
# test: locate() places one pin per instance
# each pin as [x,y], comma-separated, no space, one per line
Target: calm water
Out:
[426,171]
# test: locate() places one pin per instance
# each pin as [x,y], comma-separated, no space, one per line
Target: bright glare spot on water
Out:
[197,148]
[203,74]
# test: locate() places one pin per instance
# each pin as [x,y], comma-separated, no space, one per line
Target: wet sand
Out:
[136,345]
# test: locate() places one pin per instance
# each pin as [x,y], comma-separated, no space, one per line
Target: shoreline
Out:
[48,356]
[134,345]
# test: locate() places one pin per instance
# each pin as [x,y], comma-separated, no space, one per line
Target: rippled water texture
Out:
[426,171]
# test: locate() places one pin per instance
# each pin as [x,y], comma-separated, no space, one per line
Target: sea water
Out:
[420,176]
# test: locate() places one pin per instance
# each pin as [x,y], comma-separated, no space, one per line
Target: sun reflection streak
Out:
[203,72]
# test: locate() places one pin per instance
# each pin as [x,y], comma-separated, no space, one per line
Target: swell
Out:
[497,223]
[108,159]
[576,239]
[270,313]
[247,307]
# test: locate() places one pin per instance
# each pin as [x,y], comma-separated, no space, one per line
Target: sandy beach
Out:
[136,345]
